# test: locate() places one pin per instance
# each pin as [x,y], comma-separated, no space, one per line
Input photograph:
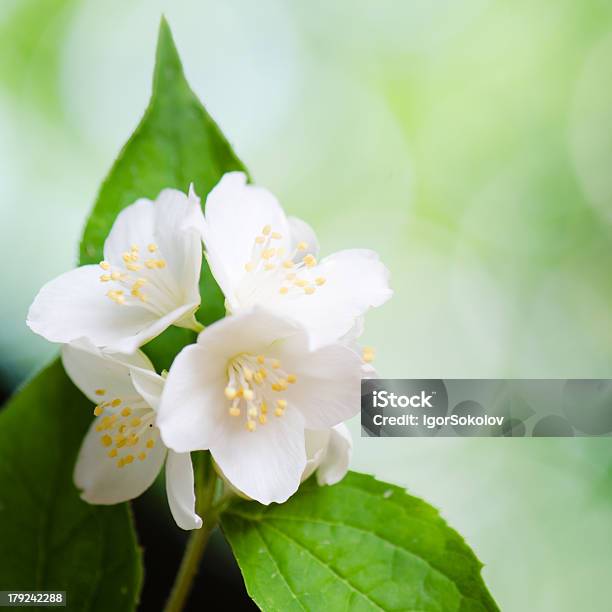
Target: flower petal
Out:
[134,225]
[355,280]
[236,214]
[192,403]
[327,390]
[74,305]
[98,375]
[265,464]
[249,330]
[180,490]
[102,482]
[316,446]
[149,385]
[302,232]
[335,463]
[178,233]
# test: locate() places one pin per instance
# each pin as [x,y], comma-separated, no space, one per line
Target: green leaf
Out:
[176,144]
[49,538]
[359,545]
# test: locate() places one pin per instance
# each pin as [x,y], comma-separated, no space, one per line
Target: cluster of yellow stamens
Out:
[253,382]
[130,284]
[368,354]
[127,432]
[267,258]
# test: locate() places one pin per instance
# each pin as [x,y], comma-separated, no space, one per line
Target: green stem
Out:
[205,481]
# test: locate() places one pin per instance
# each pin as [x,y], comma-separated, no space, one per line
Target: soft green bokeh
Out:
[469,142]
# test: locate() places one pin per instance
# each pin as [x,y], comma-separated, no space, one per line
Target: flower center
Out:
[139,281]
[127,428]
[271,270]
[255,384]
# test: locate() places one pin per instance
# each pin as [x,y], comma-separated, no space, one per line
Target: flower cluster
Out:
[266,389]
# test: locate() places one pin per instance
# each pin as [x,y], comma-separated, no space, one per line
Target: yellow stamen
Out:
[310,261]
[309,290]
[302,246]
[150,443]
[284,290]
[320,280]
[100,391]
[106,440]
[98,410]
[230,393]
[152,248]
[126,411]
[266,230]
[291,378]
[105,265]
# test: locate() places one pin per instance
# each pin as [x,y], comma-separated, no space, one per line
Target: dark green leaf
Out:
[359,545]
[49,538]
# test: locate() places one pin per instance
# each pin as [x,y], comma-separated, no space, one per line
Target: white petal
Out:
[156,326]
[148,384]
[335,463]
[193,403]
[102,482]
[134,225]
[178,233]
[355,280]
[74,305]
[316,447]
[251,330]
[180,490]
[302,232]
[92,371]
[235,215]
[327,390]
[265,464]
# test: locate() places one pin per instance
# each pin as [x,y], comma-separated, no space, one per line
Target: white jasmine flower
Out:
[248,390]
[260,257]
[147,281]
[122,453]
[329,454]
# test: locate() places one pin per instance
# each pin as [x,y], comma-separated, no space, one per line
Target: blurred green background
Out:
[469,142]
